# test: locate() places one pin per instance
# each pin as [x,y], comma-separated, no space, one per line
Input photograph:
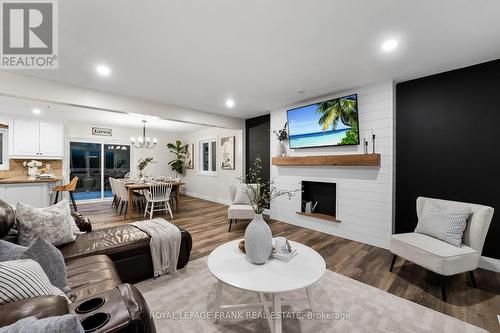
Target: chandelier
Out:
[143,141]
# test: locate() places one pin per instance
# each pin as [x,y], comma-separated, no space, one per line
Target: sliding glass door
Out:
[116,164]
[93,164]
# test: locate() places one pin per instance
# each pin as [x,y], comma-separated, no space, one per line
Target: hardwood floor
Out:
[207,222]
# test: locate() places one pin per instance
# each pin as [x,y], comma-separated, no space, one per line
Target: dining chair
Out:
[70,187]
[158,194]
[115,202]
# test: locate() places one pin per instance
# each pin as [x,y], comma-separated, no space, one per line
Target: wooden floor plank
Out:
[207,222]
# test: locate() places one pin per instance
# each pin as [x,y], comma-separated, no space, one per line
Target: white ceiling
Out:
[10,106]
[197,53]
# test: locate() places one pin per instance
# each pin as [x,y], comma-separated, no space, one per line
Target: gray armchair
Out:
[441,257]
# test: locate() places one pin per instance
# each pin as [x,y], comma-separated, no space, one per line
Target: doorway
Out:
[93,164]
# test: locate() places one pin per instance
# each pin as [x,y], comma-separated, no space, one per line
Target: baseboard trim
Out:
[208,198]
[490,264]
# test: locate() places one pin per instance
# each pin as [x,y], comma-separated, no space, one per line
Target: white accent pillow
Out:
[241,197]
[54,224]
[444,223]
[21,279]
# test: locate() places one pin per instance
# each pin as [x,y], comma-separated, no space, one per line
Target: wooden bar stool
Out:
[70,187]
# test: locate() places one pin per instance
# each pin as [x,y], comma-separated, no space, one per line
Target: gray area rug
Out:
[182,303]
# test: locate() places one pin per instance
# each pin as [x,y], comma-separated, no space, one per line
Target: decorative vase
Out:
[258,240]
[33,171]
[283,148]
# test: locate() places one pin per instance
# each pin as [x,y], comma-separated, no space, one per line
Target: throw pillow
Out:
[66,323]
[54,224]
[10,251]
[444,223]
[21,279]
[52,262]
[241,197]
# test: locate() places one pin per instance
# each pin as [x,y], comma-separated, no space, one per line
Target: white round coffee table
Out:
[230,266]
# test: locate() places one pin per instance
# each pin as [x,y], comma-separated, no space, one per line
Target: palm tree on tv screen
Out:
[343,109]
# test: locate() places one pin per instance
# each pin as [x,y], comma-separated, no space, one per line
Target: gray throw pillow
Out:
[10,251]
[444,223]
[54,224]
[66,323]
[52,262]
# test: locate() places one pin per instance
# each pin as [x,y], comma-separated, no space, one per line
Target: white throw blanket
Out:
[165,244]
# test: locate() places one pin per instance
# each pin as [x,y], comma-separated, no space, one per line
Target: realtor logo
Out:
[29,34]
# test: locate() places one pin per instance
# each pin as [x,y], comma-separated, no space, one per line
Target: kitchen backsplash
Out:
[16,168]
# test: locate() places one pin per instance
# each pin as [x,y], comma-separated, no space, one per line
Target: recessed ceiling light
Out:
[37,111]
[389,45]
[103,70]
[230,103]
[300,92]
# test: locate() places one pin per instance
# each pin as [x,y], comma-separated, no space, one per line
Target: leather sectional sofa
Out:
[99,263]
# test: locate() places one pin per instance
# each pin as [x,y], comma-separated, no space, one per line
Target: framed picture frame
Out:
[189,161]
[227,161]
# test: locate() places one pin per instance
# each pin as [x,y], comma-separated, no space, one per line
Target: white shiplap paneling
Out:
[364,194]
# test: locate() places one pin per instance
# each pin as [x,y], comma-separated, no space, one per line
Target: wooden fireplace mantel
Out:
[329,160]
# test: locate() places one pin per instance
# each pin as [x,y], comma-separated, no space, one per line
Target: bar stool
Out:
[70,187]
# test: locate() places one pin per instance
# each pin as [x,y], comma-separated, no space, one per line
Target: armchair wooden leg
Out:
[230,223]
[57,197]
[73,200]
[472,279]
[444,281]
[393,262]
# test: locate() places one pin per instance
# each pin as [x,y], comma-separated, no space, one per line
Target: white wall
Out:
[364,194]
[213,188]
[121,135]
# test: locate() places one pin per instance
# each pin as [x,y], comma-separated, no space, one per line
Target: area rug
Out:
[183,302]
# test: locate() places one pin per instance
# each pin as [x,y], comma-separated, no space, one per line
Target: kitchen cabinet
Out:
[34,139]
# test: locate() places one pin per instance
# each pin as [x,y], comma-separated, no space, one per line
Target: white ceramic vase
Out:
[283,148]
[258,240]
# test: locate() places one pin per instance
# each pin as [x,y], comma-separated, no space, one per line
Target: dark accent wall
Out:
[258,143]
[448,143]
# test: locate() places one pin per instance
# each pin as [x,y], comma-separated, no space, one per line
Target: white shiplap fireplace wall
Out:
[364,194]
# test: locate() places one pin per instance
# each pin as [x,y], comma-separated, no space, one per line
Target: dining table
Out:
[135,186]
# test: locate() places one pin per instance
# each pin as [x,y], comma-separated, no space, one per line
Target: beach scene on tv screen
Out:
[329,123]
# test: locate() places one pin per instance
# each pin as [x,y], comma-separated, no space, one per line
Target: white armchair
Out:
[441,257]
[240,208]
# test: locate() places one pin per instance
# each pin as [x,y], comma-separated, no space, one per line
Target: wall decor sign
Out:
[189,160]
[227,153]
[102,131]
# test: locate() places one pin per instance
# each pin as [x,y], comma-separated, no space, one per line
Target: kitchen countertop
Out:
[27,180]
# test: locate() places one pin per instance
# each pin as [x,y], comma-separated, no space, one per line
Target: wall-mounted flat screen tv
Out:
[329,123]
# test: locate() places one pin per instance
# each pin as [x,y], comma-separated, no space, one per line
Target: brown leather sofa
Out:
[97,263]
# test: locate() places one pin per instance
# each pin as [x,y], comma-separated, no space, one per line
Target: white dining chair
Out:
[115,202]
[123,195]
[158,198]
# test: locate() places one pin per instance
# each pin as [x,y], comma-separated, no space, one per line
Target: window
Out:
[208,157]
[4,152]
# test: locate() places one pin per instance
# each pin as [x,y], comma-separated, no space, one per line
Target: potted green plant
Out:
[180,152]
[282,137]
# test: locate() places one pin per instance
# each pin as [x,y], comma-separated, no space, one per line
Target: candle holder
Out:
[366,145]
[373,143]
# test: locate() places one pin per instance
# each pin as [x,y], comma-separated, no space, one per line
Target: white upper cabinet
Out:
[34,139]
[51,139]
